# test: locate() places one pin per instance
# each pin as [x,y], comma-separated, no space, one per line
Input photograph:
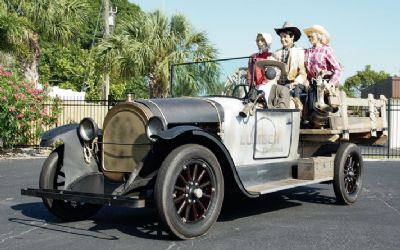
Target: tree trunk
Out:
[158,83]
[156,90]
[30,64]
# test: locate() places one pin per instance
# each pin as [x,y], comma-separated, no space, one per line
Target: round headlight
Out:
[88,129]
[154,127]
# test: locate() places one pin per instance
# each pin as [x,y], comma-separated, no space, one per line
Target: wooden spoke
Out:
[205,184]
[189,177]
[181,207]
[195,172]
[182,179]
[181,197]
[187,212]
[201,175]
[182,189]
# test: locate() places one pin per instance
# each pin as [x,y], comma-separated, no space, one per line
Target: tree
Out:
[147,44]
[362,79]
[24,22]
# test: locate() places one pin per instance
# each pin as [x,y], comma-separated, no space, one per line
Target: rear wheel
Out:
[52,176]
[348,169]
[189,191]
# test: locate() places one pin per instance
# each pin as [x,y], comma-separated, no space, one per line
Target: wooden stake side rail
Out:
[342,125]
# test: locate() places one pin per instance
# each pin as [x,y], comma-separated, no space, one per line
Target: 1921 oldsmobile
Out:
[182,154]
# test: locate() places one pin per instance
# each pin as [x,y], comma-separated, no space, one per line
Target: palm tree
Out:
[149,43]
[24,22]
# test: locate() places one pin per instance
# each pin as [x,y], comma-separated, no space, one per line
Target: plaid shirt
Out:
[322,58]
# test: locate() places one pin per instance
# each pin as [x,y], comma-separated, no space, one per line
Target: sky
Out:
[363,32]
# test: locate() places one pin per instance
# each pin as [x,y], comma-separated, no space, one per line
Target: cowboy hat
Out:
[318,29]
[289,27]
[267,37]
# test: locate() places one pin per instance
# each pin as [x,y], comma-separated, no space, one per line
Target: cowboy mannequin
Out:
[319,58]
[276,95]
[293,57]
[263,41]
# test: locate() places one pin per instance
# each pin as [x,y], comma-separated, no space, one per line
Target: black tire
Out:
[348,168]
[189,191]
[53,177]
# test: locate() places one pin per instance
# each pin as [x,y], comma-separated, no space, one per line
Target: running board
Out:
[104,199]
[274,186]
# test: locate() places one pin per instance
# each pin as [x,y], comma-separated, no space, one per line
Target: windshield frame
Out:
[172,66]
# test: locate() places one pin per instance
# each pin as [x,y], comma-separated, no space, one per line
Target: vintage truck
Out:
[181,155]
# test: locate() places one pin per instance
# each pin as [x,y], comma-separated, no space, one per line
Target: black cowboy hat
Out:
[289,27]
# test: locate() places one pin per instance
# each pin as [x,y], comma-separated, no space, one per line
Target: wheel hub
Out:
[193,192]
[198,193]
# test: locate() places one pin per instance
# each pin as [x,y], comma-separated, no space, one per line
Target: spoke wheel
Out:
[189,191]
[348,173]
[52,176]
[194,191]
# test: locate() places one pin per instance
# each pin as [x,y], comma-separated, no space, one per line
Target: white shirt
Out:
[266,87]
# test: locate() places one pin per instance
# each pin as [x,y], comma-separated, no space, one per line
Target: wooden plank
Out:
[383,115]
[356,101]
[355,123]
[344,116]
[372,116]
[319,138]
[317,131]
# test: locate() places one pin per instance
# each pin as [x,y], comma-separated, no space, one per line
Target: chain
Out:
[88,148]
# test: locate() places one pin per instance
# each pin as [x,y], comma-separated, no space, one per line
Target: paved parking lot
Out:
[300,218]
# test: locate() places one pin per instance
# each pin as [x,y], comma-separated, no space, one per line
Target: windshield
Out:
[223,77]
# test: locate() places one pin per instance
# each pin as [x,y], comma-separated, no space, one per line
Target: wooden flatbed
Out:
[366,123]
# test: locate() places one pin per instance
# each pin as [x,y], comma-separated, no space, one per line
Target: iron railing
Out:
[74,110]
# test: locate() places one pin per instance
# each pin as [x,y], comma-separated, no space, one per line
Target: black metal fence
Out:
[74,110]
[391,149]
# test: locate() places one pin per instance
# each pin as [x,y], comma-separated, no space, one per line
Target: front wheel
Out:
[189,191]
[52,176]
[348,169]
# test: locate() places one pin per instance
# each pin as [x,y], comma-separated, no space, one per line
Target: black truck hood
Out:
[185,110]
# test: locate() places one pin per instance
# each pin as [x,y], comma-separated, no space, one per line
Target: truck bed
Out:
[369,126]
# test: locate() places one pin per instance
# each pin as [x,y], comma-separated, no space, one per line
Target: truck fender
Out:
[217,145]
[75,166]
[174,132]
[51,137]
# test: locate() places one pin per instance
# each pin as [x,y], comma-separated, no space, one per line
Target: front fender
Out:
[76,169]
[198,135]
[50,138]
[174,132]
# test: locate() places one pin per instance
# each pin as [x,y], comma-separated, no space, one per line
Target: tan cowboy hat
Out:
[289,27]
[267,37]
[318,29]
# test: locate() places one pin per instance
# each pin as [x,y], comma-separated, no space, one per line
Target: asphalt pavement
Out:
[299,218]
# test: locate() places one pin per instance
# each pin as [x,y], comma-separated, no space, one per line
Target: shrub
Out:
[24,110]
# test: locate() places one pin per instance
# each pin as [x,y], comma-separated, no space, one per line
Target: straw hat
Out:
[318,29]
[267,37]
[289,27]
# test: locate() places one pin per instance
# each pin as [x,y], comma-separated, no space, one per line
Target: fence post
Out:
[171,78]
[389,126]
[108,102]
